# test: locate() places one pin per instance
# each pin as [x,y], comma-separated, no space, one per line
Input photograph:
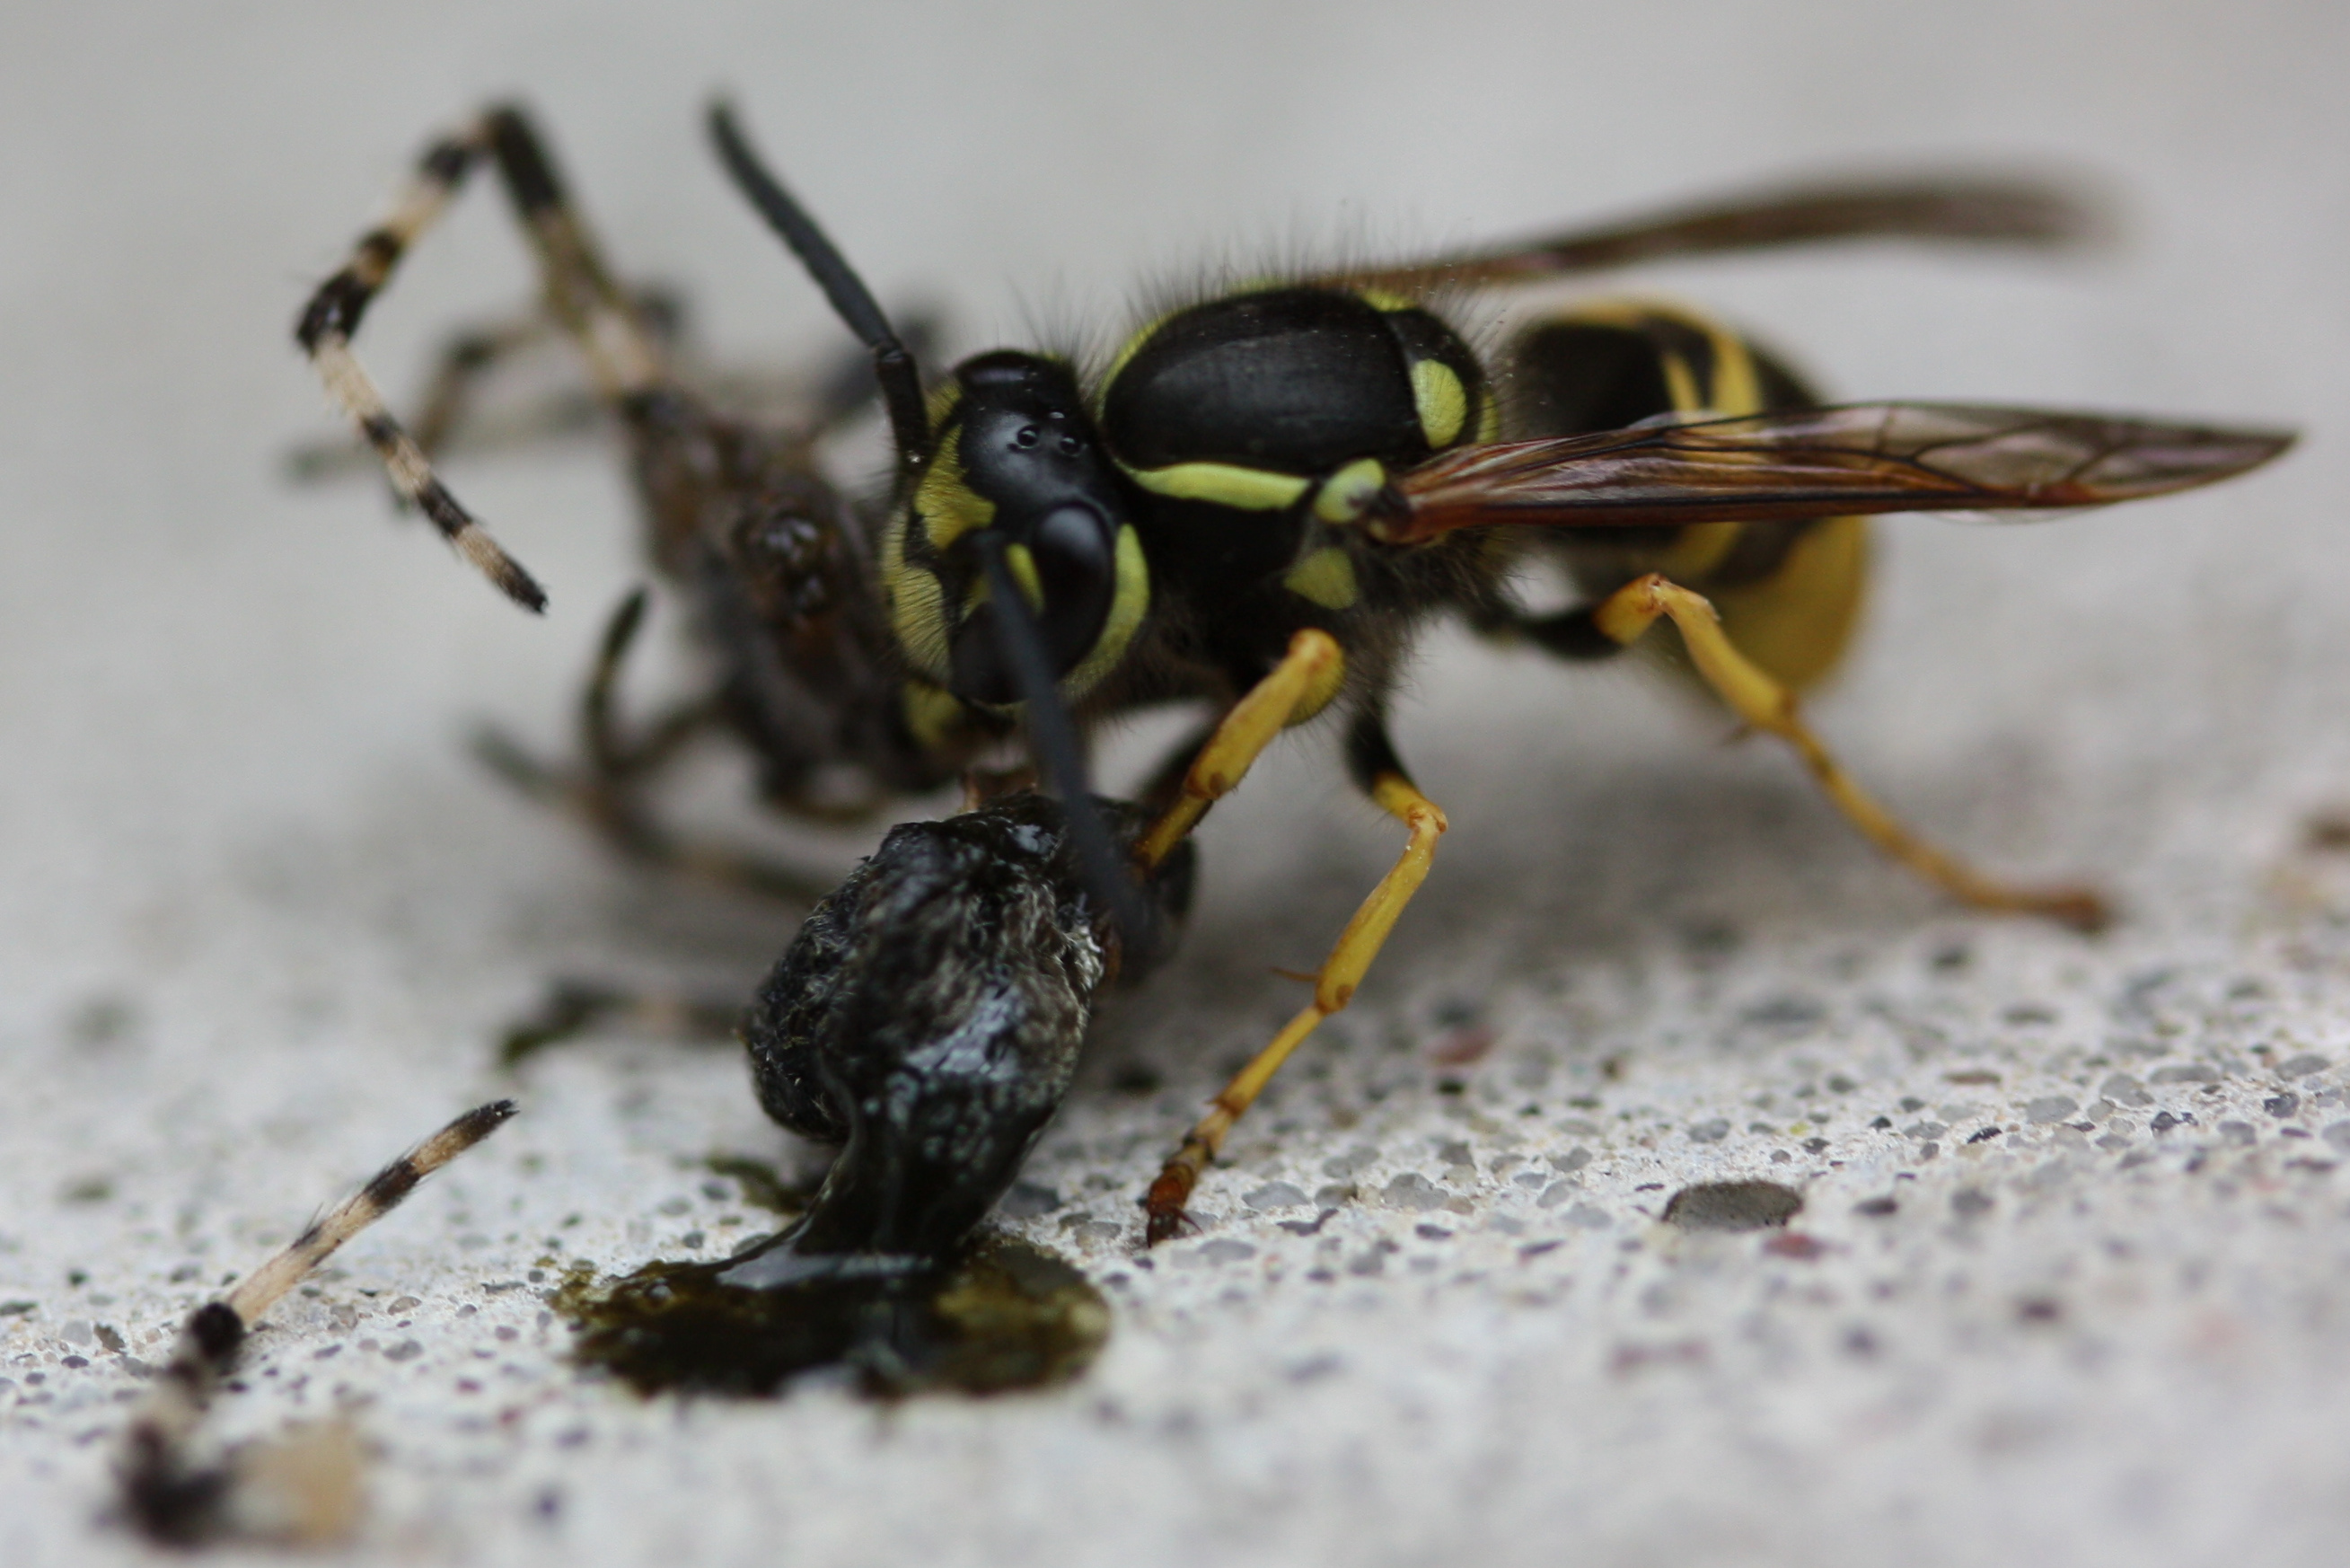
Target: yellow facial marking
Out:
[1225,485]
[1326,576]
[1024,572]
[1127,604]
[917,614]
[949,508]
[1442,402]
[1385,300]
[1346,495]
[932,714]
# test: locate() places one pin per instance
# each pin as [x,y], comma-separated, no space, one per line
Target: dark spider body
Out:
[775,563]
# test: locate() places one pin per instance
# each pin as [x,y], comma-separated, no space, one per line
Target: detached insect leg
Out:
[580,292]
[1768,705]
[169,1497]
[1372,759]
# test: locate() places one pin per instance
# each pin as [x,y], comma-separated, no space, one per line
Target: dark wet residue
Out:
[1003,1315]
[762,1186]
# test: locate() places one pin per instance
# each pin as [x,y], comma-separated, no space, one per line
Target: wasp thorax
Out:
[1241,401]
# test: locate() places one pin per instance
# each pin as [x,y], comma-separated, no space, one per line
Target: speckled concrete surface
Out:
[2071,1279]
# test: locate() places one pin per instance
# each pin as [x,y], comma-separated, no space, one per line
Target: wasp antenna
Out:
[893,364]
[1053,737]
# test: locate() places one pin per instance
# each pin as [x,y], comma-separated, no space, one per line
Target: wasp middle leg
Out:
[1296,687]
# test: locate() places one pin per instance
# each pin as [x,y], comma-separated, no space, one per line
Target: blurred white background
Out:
[260,913]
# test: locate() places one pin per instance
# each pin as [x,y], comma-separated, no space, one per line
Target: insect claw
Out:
[1163,1205]
[2078,908]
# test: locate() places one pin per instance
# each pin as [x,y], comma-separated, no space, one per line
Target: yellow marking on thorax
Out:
[1442,400]
[1224,484]
[1346,495]
[947,505]
[1324,576]
[1489,417]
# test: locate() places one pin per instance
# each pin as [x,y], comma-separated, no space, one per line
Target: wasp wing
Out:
[1983,209]
[1811,462]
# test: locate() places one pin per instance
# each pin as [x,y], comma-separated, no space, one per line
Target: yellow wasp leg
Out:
[1341,973]
[1298,688]
[1767,704]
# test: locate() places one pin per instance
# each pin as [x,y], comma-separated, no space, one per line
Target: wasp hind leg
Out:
[1371,758]
[1770,705]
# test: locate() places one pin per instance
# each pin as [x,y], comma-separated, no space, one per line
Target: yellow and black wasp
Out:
[1257,503]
